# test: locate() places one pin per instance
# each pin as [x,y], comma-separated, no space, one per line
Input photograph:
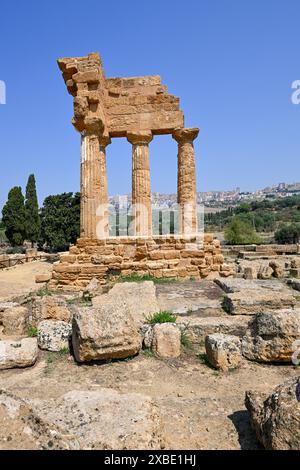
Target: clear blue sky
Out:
[231,62]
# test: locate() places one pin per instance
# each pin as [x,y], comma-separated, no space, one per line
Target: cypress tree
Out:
[32,218]
[13,217]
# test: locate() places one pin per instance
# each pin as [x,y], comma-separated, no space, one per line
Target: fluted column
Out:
[141,190]
[93,187]
[186,182]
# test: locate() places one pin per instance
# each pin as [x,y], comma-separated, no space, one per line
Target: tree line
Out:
[56,224]
[53,226]
[242,224]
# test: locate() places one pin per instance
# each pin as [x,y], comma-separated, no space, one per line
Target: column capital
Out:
[104,140]
[139,137]
[185,134]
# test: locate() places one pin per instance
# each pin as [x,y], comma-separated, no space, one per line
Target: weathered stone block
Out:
[54,335]
[21,353]
[223,351]
[166,341]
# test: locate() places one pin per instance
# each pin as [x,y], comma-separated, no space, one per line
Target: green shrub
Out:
[288,234]
[240,232]
[44,291]
[32,332]
[84,300]
[161,317]
[185,340]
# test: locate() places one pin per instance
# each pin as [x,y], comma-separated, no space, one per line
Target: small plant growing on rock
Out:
[147,352]
[44,291]
[32,332]
[84,301]
[161,317]
[64,351]
[185,340]
[225,306]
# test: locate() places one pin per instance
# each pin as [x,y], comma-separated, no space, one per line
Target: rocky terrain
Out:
[206,378]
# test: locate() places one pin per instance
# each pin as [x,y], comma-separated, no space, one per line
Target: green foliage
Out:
[161,317]
[147,352]
[84,301]
[32,218]
[264,216]
[32,332]
[185,340]
[44,291]
[14,217]
[16,250]
[146,277]
[240,232]
[288,234]
[60,221]
[64,351]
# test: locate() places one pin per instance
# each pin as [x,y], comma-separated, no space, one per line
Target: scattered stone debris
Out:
[22,353]
[276,418]
[271,336]
[223,351]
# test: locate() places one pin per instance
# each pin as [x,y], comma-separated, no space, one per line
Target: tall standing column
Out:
[141,190]
[186,183]
[93,187]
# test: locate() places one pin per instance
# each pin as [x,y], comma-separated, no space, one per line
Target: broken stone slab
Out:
[6,305]
[278,269]
[230,286]
[41,278]
[265,272]
[250,302]
[294,283]
[223,351]
[271,336]
[105,332]
[93,288]
[140,298]
[166,341]
[49,307]
[104,419]
[295,263]
[21,428]
[22,353]
[198,328]
[15,320]
[275,418]
[54,335]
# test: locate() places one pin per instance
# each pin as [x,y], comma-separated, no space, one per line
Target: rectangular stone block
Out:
[68,258]
[171,254]
[192,254]
[156,255]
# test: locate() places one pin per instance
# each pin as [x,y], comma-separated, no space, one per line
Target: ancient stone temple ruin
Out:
[137,108]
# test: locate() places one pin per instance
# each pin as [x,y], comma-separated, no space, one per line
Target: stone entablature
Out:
[171,257]
[115,105]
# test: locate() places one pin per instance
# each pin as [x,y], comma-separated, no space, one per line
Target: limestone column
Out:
[93,187]
[186,182]
[141,190]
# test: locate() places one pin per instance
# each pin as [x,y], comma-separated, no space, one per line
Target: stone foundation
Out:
[159,257]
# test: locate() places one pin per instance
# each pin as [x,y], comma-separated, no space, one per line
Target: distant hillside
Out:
[265,216]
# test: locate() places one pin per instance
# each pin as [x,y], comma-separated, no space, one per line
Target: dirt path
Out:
[20,280]
[200,407]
